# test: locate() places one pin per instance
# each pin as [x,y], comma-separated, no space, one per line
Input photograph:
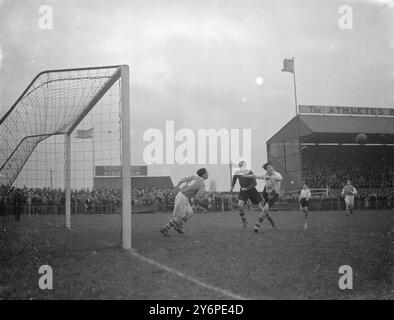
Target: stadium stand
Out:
[321,149]
[365,166]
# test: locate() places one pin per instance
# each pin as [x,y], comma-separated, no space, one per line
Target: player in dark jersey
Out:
[247,191]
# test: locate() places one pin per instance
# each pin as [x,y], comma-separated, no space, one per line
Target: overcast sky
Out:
[196,62]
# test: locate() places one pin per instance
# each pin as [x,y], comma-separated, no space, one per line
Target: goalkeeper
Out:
[271,193]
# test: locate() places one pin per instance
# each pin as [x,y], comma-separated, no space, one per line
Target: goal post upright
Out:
[126,157]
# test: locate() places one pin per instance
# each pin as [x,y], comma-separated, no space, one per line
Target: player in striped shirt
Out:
[305,195]
[247,191]
[194,188]
[349,192]
[271,193]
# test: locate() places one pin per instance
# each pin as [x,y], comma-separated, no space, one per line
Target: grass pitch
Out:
[88,262]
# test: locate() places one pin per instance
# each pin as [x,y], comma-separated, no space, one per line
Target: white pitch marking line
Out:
[229,294]
[134,253]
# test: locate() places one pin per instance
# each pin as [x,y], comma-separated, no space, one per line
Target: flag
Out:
[288,65]
[84,134]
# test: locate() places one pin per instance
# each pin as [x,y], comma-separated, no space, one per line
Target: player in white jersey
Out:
[304,197]
[194,187]
[349,192]
[271,193]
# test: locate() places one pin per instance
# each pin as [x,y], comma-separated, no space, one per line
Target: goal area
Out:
[66,125]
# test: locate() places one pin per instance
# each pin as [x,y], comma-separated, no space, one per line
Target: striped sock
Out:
[242,214]
[169,225]
[259,222]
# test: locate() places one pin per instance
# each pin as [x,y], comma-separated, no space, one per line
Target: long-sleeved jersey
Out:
[272,181]
[244,182]
[194,187]
[349,190]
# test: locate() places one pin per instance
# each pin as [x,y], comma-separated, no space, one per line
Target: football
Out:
[361,138]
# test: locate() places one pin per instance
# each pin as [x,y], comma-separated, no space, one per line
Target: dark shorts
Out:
[270,197]
[252,194]
[304,202]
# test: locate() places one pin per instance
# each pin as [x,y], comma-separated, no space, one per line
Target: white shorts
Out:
[349,200]
[182,207]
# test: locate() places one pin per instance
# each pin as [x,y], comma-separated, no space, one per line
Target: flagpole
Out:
[295,88]
[289,66]
[298,122]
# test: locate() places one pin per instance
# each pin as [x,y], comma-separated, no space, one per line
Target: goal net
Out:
[64,128]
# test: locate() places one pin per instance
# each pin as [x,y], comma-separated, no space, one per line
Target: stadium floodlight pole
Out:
[126,157]
[68,179]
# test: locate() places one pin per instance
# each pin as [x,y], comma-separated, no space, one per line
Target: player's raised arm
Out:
[233,182]
[183,180]
[254,176]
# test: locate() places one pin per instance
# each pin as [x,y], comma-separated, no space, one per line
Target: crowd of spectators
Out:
[46,200]
[104,200]
[331,166]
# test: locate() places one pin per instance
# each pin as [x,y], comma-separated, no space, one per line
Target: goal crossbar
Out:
[54,103]
[11,163]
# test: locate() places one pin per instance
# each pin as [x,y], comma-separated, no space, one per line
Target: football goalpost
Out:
[65,126]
